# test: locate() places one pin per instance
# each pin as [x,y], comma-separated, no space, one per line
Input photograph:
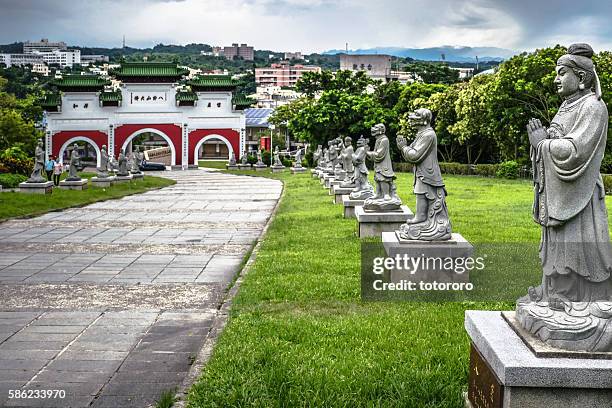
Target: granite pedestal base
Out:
[338,192]
[373,224]
[36,188]
[73,184]
[327,180]
[260,167]
[123,179]
[231,167]
[295,170]
[349,206]
[505,373]
[137,176]
[244,166]
[102,182]
[277,169]
[456,247]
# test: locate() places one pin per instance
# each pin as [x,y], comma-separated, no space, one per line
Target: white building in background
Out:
[20,60]
[40,68]
[273,96]
[464,72]
[62,58]
[88,59]
[30,47]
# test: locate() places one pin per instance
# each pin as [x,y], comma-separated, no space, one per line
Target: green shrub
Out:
[11,180]
[607,179]
[14,152]
[455,168]
[251,159]
[309,157]
[266,156]
[486,170]
[508,169]
[17,166]
[286,162]
[402,167]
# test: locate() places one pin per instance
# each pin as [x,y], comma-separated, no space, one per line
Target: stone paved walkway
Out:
[111,302]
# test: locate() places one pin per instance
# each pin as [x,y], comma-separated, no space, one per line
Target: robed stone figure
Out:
[573,306]
[431,222]
[75,162]
[39,164]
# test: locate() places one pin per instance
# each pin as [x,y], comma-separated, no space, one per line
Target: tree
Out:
[473,125]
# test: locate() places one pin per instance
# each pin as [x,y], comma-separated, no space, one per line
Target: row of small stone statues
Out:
[276,166]
[106,164]
[348,167]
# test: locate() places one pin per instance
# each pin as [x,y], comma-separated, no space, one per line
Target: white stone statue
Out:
[572,308]
[39,164]
[75,162]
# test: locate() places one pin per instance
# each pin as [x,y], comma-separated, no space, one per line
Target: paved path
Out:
[111,302]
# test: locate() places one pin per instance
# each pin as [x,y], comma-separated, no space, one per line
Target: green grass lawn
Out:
[14,204]
[299,335]
[213,164]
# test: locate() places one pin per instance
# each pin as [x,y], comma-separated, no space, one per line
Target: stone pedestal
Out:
[505,373]
[102,182]
[36,188]
[327,180]
[340,174]
[456,247]
[350,205]
[277,169]
[373,224]
[192,167]
[80,184]
[333,184]
[260,167]
[338,192]
[231,166]
[176,167]
[314,172]
[123,179]
[244,166]
[295,170]
[137,176]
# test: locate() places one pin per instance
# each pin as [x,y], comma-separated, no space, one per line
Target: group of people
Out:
[54,169]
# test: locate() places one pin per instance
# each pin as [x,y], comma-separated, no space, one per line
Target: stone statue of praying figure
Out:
[362,188]
[244,159]
[386,198]
[102,171]
[75,162]
[122,164]
[346,157]
[259,160]
[572,308]
[431,221]
[39,164]
[232,159]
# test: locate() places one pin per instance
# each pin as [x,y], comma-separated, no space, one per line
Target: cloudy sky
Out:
[311,25]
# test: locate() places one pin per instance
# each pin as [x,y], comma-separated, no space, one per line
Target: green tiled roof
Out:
[80,81]
[148,69]
[213,81]
[114,96]
[242,101]
[51,100]
[186,97]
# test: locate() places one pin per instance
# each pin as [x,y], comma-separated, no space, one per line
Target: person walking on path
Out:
[57,173]
[49,166]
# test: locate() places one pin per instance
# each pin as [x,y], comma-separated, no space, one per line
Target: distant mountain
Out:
[452,54]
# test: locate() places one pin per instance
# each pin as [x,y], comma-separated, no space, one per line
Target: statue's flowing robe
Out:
[423,153]
[569,203]
[382,160]
[347,159]
[360,172]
